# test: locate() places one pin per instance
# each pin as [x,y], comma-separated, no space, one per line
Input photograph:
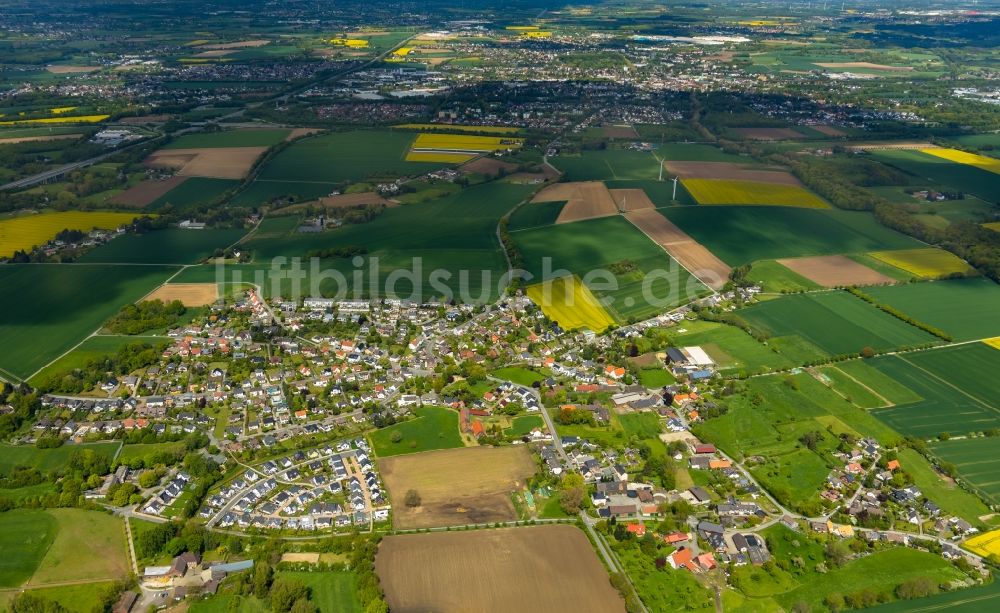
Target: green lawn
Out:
[524,424]
[95,347]
[655,378]
[141,451]
[25,536]
[520,375]
[48,460]
[330,591]
[58,305]
[433,428]
[83,598]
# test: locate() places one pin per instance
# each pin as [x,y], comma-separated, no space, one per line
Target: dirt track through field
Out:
[731,172]
[584,200]
[835,271]
[145,193]
[456,486]
[537,569]
[214,162]
[691,254]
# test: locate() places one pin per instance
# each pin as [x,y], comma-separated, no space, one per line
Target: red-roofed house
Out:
[675,537]
[682,558]
[892,465]
[706,561]
[637,529]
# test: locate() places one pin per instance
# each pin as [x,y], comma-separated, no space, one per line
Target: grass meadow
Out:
[433,428]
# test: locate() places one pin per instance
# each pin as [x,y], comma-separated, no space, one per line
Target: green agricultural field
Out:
[263,192]
[453,234]
[49,460]
[598,244]
[951,498]
[520,375]
[945,174]
[872,378]
[977,461]
[765,434]
[433,428]
[612,164]
[967,309]
[732,349]
[172,246]
[58,305]
[192,193]
[25,536]
[524,425]
[230,138]
[100,534]
[93,348]
[694,152]
[739,235]
[774,277]
[970,600]
[330,591]
[535,215]
[345,156]
[955,399]
[83,598]
[836,322]
[861,395]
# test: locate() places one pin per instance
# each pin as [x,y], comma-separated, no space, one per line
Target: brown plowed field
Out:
[243,44]
[145,193]
[867,65]
[34,139]
[631,199]
[584,200]
[769,133]
[612,131]
[835,271]
[190,294]
[691,254]
[537,569]
[731,172]
[457,486]
[345,200]
[490,167]
[829,130]
[215,162]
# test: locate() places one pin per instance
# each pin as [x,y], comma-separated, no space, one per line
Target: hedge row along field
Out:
[723,191]
[26,231]
[570,303]
[967,309]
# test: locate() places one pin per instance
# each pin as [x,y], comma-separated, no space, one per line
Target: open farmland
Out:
[690,254]
[723,191]
[977,461]
[739,235]
[555,565]
[608,165]
[25,536]
[49,460]
[954,384]
[942,172]
[732,172]
[49,318]
[614,245]
[93,348]
[631,199]
[456,486]
[836,322]
[432,428]
[967,309]
[22,232]
[193,192]
[570,303]
[768,133]
[962,157]
[835,271]
[584,200]
[170,246]
[209,162]
[929,263]
[986,545]
[189,294]
[147,192]
[460,147]
[230,138]
[100,534]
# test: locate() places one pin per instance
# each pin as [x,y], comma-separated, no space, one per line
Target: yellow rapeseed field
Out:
[727,191]
[62,109]
[926,262]
[26,231]
[402,51]
[969,159]
[464,143]
[570,303]
[985,544]
[76,119]
[353,43]
[992,226]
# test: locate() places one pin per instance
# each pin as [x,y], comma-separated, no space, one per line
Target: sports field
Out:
[456,486]
[554,567]
[722,191]
[60,304]
[22,232]
[170,246]
[570,303]
[836,322]
[744,234]
[967,309]
[928,263]
[955,385]
[962,157]
[977,461]
[431,428]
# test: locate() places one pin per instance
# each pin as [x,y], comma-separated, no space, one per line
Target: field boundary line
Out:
[887,404]
[952,386]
